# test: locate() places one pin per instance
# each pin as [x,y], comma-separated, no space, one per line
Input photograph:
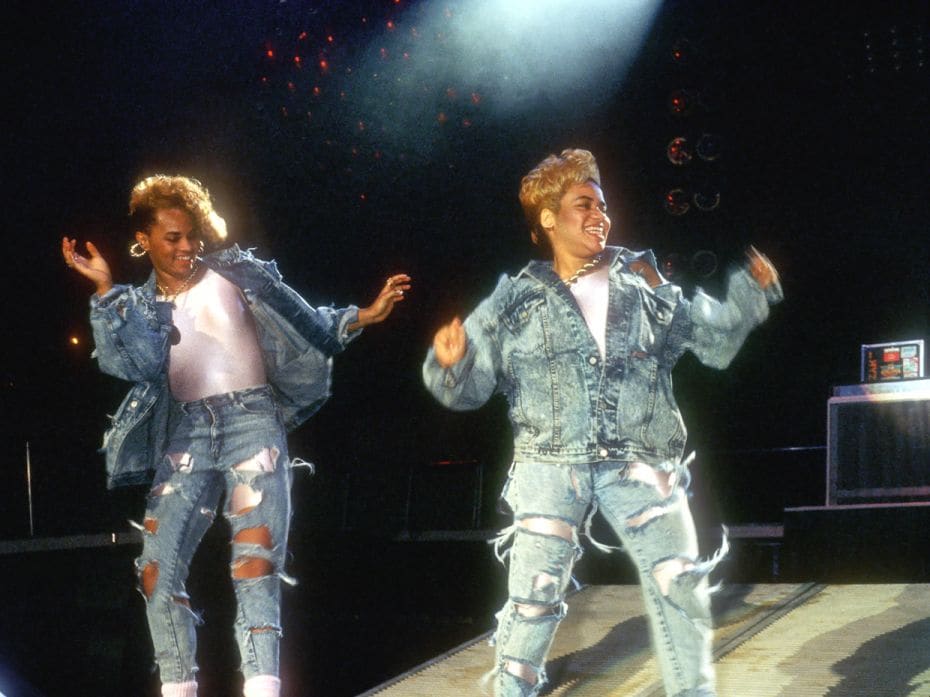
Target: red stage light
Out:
[678,151]
[680,102]
[676,202]
[681,51]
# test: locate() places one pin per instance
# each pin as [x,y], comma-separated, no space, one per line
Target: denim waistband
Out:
[226,399]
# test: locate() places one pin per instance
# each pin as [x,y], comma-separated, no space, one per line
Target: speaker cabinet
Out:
[878,443]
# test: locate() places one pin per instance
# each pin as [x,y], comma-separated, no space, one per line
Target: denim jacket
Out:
[529,341]
[133,334]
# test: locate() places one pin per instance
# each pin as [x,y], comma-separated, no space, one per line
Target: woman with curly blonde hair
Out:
[224,359]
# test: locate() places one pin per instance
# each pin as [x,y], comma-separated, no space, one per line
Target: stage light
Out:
[681,52]
[671,265]
[676,202]
[894,50]
[706,198]
[508,55]
[681,102]
[704,263]
[709,147]
[679,151]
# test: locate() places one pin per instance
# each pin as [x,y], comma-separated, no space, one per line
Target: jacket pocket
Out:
[525,312]
[655,320]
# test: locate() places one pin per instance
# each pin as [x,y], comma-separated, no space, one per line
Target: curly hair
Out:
[546,183]
[162,191]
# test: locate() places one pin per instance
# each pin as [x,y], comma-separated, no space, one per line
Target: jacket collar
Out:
[618,257]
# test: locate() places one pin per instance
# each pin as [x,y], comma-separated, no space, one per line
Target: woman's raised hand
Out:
[93,266]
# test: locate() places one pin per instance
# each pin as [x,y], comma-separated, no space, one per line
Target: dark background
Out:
[822,111]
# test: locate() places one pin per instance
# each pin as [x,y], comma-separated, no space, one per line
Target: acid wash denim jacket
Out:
[529,341]
[133,334]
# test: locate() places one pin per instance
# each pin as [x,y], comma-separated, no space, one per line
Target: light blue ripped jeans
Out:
[232,444]
[648,509]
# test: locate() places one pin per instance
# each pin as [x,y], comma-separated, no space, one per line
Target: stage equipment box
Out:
[897,360]
[878,443]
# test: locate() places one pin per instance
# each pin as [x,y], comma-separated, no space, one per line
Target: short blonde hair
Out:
[548,181]
[162,191]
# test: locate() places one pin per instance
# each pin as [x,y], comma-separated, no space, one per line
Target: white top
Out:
[219,350]
[591,292]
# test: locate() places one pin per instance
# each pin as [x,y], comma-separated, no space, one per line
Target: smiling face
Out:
[578,231]
[172,243]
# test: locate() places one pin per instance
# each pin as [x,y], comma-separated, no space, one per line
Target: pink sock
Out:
[179,689]
[262,686]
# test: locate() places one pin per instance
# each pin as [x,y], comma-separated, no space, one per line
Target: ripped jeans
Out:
[648,509]
[234,444]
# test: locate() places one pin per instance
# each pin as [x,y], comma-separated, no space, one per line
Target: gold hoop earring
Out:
[136,250]
[201,248]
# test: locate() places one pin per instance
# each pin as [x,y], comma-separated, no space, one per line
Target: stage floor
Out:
[771,640]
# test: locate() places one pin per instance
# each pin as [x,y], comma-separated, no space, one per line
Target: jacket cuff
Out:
[773,292]
[452,377]
[348,316]
[99,302]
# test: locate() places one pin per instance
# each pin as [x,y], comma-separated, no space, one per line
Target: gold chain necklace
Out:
[570,281]
[184,286]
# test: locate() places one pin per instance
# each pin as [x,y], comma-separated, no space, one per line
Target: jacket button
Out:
[133,404]
[602,452]
[593,360]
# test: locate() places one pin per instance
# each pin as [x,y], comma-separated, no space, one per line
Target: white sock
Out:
[179,689]
[262,686]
